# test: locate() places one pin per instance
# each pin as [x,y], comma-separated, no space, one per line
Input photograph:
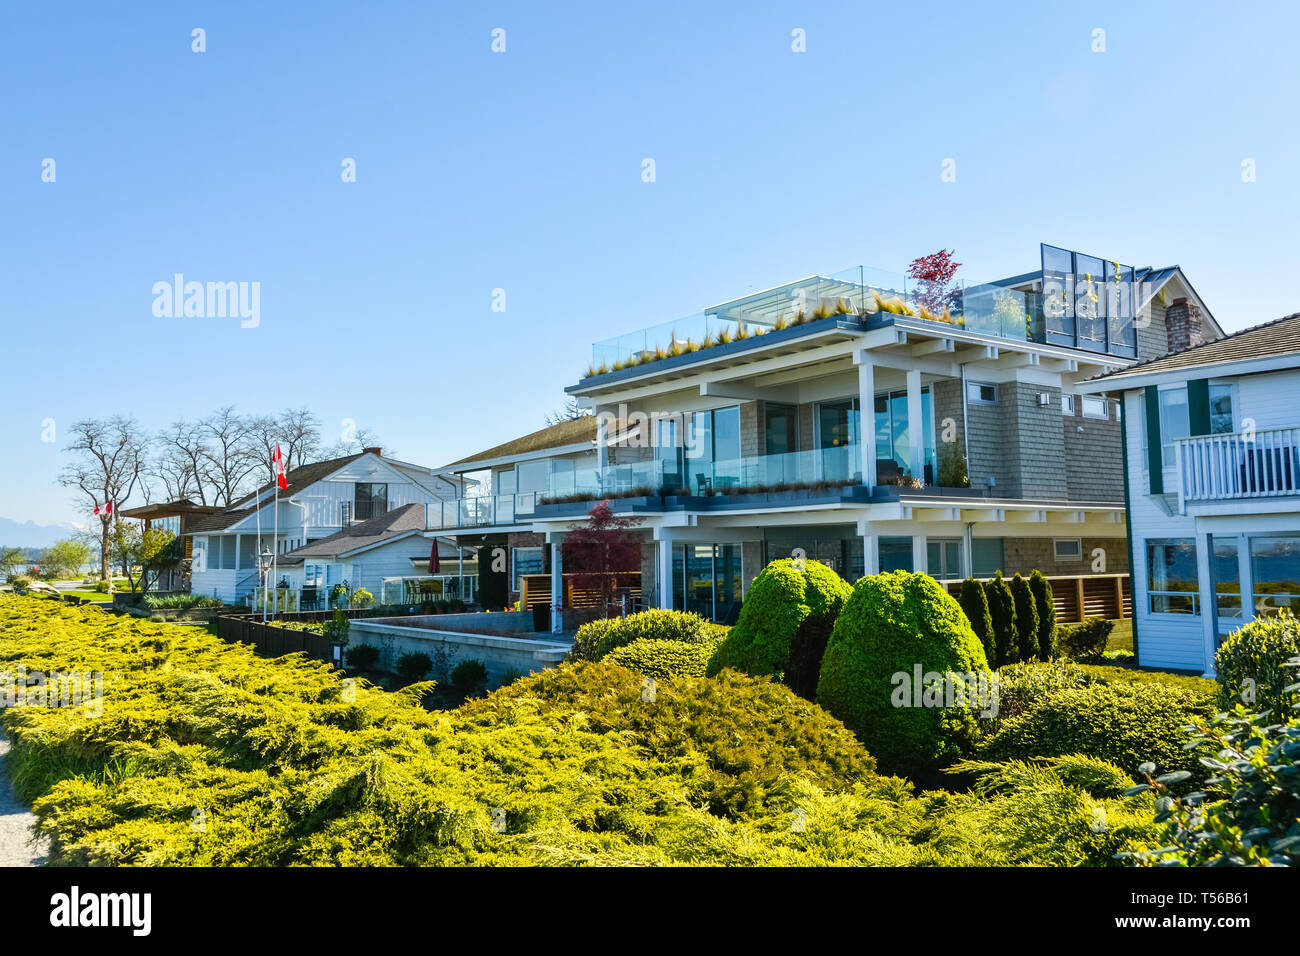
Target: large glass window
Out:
[895,554]
[527,561]
[1174,421]
[370,501]
[1275,572]
[986,556]
[1226,568]
[247,551]
[780,429]
[707,455]
[943,557]
[1221,409]
[1171,576]
[893,435]
[837,547]
[533,476]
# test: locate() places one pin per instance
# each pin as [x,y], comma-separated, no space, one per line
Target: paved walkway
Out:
[16,845]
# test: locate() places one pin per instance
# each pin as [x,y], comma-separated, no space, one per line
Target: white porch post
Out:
[967,568]
[602,442]
[557,582]
[920,554]
[915,426]
[1209,603]
[867,417]
[664,568]
[870,548]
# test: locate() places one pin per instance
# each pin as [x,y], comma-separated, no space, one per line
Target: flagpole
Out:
[261,570]
[275,544]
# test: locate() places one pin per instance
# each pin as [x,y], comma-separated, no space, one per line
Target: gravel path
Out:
[17,847]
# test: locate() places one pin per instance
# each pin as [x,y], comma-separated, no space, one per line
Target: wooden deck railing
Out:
[536,589]
[1078,596]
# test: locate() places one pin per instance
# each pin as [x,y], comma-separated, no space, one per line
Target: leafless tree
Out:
[228,458]
[300,436]
[180,464]
[109,465]
[362,438]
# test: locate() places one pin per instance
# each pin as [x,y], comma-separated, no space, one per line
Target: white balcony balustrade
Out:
[1238,467]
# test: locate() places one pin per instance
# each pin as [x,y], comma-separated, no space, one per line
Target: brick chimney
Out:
[1183,325]
[374,450]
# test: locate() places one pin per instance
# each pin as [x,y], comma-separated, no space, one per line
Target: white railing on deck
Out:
[1261,464]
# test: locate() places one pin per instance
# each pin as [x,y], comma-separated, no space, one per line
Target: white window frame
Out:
[1066,558]
[974,395]
[1105,408]
[1067,404]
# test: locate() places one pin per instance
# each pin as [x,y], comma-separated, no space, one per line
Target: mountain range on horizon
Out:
[29,534]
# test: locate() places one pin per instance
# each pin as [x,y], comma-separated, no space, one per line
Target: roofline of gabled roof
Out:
[552,452]
[1127,380]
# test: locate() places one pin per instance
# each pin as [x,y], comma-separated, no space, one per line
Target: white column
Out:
[870,548]
[967,562]
[664,570]
[1209,604]
[919,554]
[602,442]
[867,417]
[915,426]
[557,583]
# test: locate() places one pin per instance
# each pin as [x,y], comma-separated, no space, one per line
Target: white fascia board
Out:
[1272,363]
[486,463]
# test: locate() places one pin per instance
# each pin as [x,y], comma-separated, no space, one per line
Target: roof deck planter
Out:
[711,352]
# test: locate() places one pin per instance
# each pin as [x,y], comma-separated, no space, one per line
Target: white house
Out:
[1212,459]
[321,499]
[389,556]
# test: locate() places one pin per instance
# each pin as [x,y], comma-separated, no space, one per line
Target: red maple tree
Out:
[933,275]
[594,553]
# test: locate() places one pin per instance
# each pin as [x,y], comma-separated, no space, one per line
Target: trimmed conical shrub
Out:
[1026,619]
[1002,607]
[1046,605]
[897,631]
[976,605]
[784,624]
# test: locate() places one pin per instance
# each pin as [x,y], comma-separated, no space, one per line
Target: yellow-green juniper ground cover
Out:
[207,754]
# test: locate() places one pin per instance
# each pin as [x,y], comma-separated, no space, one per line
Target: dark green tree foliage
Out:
[784,624]
[976,605]
[1002,608]
[493,577]
[413,667]
[1046,605]
[1026,619]
[892,624]
[1127,724]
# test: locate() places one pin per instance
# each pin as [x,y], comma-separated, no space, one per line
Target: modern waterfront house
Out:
[1212,455]
[737,435]
[230,547]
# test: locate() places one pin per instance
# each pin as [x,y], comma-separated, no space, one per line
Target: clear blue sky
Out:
[522,171]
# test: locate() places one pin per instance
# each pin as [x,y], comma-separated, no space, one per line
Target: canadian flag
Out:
[104,509]
[277,463]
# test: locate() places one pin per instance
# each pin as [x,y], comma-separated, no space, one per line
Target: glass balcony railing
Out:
[1097,316]
[818,469]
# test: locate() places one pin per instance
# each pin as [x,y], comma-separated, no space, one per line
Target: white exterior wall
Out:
[1183,641]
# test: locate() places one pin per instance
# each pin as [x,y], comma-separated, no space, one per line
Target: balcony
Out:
[1240,467]
[1095,316]
[480,512]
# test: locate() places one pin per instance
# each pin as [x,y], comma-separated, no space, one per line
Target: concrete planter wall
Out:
[500,655]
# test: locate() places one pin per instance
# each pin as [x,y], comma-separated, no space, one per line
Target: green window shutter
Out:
[1198,406]
[1155,464]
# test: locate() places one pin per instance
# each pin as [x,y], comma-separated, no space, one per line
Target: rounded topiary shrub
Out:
[784,624]
[892,625]
[597,638]
[1127,724]
[413,667]
[1252,665]
[662,658]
